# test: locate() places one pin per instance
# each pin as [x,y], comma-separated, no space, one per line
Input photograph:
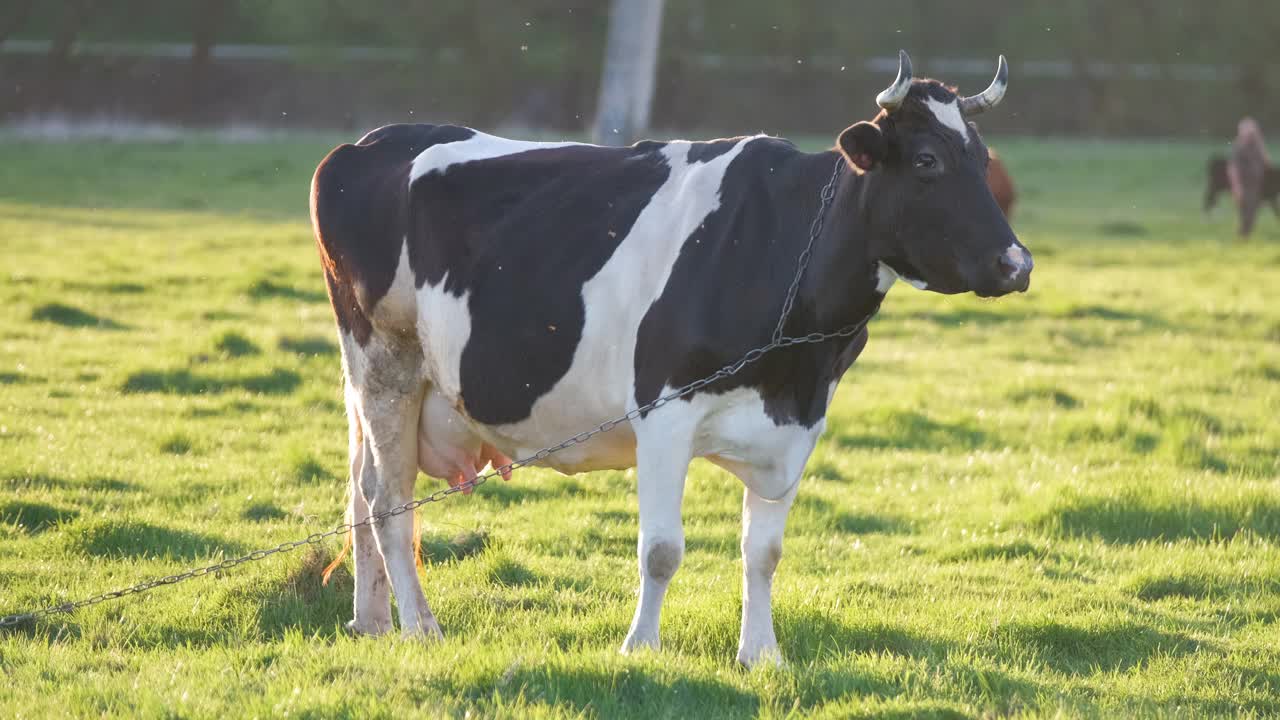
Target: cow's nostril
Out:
[1006,266]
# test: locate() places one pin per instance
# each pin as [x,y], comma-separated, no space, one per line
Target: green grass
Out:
[1060,504]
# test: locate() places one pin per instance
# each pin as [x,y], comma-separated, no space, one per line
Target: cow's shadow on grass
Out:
[631,689]
[184,382]
[308,345]
[983,317]
[965,316]
[13,378]
[1111,314]
[823,513]
[44,482]
[439,547]
[911,430]
[304,603]
[807,635]
[1076,650]
[34,517]
[74,317]
[1132,518]
[134,539]
[266,289]
[505,494]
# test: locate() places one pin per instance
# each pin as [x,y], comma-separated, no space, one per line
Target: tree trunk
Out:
[630,71]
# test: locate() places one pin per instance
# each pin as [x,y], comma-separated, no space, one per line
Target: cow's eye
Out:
[925,161]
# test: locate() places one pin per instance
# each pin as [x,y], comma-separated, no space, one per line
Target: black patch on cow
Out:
[935,90]
[359,202]
[522,233]
[726,290]
[648,146]
[705,152]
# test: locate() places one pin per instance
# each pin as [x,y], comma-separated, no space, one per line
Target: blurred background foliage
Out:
[1174,67]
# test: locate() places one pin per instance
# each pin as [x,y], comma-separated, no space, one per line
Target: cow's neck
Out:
[841,285]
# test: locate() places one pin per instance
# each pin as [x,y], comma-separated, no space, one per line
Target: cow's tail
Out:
[342,554]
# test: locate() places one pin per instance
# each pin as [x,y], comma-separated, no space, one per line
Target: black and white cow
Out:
[495,296]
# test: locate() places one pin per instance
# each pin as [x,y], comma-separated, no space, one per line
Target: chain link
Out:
[778,341]
[828,194]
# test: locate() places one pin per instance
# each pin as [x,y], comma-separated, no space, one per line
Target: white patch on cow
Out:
[444,326]
[478,147]
[444,320]
[1018,257]
[885,276]
[734,431]
[397,309]
[948,113]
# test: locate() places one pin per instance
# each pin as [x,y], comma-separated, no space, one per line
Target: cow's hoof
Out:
[761,658]
[428,629]
[636,643]
[357,628]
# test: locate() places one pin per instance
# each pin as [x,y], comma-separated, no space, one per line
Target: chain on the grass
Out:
[778,341]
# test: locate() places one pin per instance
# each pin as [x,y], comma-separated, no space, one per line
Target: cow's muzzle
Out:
[1013,267]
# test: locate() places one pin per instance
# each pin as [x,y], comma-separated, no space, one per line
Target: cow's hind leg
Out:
[372,611]
[389,394]
[1250,201]
[661,466]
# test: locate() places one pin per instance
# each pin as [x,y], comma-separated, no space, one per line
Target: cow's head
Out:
[923,197]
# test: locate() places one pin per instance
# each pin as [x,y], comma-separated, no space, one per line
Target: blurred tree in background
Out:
[1089,67]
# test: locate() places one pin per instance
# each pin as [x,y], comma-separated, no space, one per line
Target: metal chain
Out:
[778,341]
[828,194]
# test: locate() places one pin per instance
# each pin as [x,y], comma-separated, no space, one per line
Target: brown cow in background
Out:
[1248,174]
[1000,183]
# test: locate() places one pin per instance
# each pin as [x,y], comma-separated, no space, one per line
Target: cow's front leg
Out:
[661,469]
[763,522]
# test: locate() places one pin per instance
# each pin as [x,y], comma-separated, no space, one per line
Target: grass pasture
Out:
[1060,504]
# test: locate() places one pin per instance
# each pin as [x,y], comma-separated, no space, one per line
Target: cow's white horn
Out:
[891,97]
[989,98]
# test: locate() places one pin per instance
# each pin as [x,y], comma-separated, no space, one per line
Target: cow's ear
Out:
[863,145]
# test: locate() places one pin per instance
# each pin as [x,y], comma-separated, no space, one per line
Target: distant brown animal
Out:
[1247,173]
[1000,183]
[1219,182]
